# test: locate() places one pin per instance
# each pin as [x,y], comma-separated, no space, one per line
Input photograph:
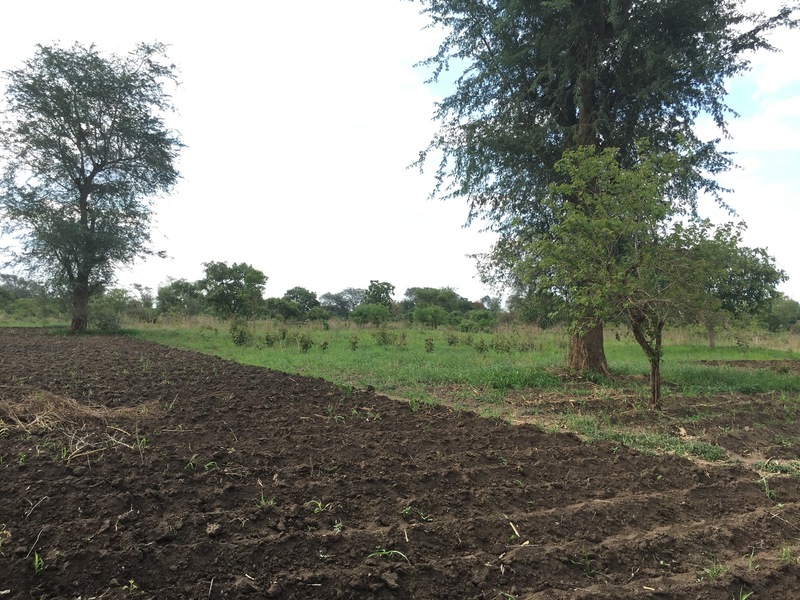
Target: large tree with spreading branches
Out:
[85,150]
[535,79]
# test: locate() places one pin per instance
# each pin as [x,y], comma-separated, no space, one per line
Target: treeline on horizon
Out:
[237,291]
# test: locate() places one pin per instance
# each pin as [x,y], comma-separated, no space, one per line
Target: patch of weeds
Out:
[715,569]
[141,442]
[742,595]
[791,467]
[338,526]
[354,339]
[389,554]
[318,507]
[22,459]
[428,345]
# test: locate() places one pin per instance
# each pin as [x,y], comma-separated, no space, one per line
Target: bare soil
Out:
[130,469]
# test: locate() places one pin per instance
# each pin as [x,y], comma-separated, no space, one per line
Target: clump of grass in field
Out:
[600,428]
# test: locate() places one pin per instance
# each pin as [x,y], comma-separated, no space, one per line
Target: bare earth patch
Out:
[132,469]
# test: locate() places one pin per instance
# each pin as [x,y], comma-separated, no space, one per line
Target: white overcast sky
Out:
[300,119]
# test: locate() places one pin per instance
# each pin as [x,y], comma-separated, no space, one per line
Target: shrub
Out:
[240,331]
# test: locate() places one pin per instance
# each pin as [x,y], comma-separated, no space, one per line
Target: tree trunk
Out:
[712,334]
[587,353]
[80,307]
[655,382]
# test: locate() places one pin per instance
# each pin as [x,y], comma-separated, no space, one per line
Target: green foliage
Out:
[379,292]
[240,332]
[375,314]
[342,303]
[109,309]
[234,290]
[535,80]
[278,308]
[306,300]
[85,149]
[180,297]
[432,316]
[783,315]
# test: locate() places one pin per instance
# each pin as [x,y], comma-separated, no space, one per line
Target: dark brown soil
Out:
[132,469]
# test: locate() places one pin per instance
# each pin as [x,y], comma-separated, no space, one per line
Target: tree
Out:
[85,150]
[342,303]
[180,297]
[539,78]
[445,298]
[232,291]
[282,308]
[623,249]
[379,292]
[784,315]
[304,298]
[377,314]
[430,315]
[742,280]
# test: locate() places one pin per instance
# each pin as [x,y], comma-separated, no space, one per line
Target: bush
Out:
[240,332]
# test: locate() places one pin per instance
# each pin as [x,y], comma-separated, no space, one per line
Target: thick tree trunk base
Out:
[78,325]
[587,353]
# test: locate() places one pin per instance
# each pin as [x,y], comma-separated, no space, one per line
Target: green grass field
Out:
[396,360]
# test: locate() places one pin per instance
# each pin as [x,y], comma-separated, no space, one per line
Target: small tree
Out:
[621,249]
[85,150]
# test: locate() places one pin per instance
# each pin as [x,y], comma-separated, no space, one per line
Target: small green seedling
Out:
[390,554]
[318,506]
[192,464]
[412,511]
[715,569]
[38,563]
[263,501]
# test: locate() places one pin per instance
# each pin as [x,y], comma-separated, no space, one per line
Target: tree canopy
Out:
[232,291]
[536,79]
[85,149]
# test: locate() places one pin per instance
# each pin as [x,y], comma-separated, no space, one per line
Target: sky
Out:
[301,120]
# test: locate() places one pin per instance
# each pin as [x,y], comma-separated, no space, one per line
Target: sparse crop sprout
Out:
[38,563]
[715,569]
[263,501]
[318,507]
[5,535]
[390,554]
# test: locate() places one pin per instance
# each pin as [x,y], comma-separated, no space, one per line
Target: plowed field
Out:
[134,470]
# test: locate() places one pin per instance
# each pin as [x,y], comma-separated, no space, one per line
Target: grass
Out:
[406,369]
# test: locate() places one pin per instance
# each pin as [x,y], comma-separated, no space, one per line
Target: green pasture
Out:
[409,361]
